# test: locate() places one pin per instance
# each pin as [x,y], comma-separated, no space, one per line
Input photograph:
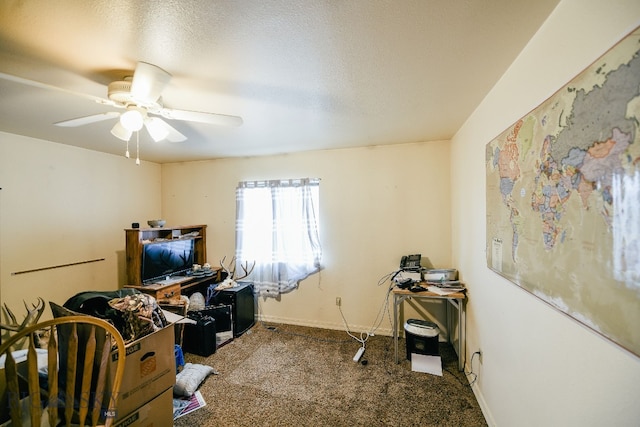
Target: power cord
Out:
[471,373]
[364,336]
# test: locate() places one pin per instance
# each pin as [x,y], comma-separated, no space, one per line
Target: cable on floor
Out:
[471,373]
[364,336]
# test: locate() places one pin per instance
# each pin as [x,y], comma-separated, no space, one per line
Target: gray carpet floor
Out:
[284,375]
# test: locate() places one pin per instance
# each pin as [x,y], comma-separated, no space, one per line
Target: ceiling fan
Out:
[140,96]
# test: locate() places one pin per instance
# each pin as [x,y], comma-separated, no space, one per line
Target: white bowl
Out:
[156,223]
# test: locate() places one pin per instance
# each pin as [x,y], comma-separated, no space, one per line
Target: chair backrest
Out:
[77,383]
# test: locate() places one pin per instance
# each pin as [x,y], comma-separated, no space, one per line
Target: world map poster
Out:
[563,198]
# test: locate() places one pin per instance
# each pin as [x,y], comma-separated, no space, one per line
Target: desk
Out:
[457,300]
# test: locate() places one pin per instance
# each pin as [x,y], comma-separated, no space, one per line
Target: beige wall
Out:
[62,205]
[376,204]
[539,367]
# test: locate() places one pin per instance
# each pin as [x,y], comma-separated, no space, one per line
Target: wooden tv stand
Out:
[138,238]
[168,290]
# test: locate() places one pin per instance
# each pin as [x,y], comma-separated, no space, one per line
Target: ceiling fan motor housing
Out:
[120,91]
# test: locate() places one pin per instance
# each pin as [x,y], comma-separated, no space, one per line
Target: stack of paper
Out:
[426,364]
[446,285]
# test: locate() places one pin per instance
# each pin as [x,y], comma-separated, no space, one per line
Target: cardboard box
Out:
[150,369]
[158,412]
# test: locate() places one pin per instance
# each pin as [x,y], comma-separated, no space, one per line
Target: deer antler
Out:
[32,317]
[231,280]
[230,273]
[247,270]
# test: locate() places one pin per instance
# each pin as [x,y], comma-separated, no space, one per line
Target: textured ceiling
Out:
[303,75]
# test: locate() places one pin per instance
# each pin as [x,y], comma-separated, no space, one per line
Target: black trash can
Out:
[421,337]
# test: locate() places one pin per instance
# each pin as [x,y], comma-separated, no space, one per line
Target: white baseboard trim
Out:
[355,329]
[481,401]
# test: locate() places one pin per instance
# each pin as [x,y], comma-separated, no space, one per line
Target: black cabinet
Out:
[242,303]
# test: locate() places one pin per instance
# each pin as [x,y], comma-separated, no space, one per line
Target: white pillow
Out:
[190,378]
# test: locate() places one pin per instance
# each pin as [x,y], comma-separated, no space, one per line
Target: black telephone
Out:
[410,262]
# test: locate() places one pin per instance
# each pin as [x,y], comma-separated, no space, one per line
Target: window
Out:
[277,227]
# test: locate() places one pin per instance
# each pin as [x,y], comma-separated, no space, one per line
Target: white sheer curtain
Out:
[277,227]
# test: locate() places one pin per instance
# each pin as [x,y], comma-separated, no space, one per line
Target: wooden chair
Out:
[81,346]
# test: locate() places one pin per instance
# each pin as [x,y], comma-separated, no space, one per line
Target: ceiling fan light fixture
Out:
[140,95]
[121,132]
[133,119]
[156,128]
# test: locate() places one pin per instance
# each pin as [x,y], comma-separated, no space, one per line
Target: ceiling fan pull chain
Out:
[126,153]
[137,148]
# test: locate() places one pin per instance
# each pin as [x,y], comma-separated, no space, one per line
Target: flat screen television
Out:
[170,258]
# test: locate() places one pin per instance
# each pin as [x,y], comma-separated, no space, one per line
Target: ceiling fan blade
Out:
[200,117]
[87,119]
[159,130]
[148,82]
[40,85]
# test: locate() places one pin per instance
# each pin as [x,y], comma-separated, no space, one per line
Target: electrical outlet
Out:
[338,301]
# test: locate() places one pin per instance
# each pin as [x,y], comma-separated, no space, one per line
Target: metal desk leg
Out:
[461,339]
[395,326]
[460,354]
[462,334]
[447,313]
